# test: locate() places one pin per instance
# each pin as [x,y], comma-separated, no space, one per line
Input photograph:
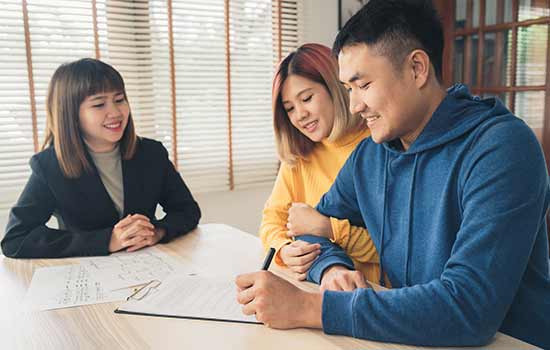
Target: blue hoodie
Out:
[459,223]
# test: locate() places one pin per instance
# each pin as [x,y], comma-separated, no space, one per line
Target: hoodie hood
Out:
[457,114]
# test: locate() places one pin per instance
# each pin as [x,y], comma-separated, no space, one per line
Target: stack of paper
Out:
[99,279]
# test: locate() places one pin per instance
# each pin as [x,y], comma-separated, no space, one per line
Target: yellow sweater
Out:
[306,182]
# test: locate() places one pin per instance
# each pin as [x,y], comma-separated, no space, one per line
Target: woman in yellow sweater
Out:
[315,134]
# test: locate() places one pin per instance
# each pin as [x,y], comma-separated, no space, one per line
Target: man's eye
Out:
[364,86]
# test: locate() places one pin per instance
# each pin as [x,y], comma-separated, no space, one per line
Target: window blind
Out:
[254,156]
[291,25]
[201,93]
[16,134]
[128,43]
[198,75]
[60,31]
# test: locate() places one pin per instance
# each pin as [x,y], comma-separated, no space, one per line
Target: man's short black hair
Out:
[395,28]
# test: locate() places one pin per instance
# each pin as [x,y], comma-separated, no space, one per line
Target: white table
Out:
[227,251]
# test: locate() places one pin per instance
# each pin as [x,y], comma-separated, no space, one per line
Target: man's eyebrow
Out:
[354,77]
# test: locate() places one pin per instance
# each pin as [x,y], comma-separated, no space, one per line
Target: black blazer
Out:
[86,209]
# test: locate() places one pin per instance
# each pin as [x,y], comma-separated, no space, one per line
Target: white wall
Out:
[320,21]
[241,209]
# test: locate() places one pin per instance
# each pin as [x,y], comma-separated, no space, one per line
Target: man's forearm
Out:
[331,254]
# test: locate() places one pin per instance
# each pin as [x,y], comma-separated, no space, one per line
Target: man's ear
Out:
[419,62]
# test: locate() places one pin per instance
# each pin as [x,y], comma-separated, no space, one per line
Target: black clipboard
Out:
[123,312]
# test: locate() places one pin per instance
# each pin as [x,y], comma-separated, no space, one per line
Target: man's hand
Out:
[303,219]
[277,303]
[340,278]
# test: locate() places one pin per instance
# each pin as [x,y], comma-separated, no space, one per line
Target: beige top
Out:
[109,167]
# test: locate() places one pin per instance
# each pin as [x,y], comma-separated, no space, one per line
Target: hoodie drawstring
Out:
[409,221]
[382,280]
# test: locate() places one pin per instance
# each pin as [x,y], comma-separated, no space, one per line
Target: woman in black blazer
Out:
[102,207]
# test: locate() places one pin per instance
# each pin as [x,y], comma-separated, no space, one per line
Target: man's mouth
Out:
[371,118]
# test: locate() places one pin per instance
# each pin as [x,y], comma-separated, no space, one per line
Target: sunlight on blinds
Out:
[16,136]
[134,37]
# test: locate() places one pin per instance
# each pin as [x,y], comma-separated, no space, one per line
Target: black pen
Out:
[268,259]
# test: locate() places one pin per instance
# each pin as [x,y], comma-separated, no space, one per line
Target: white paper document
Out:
[66,286]
[123,269]
[186,296]
[100,279]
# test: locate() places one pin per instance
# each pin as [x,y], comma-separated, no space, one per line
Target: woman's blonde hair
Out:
[70,85]
[316,63]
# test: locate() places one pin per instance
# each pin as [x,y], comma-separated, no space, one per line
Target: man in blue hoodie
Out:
[453,190]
